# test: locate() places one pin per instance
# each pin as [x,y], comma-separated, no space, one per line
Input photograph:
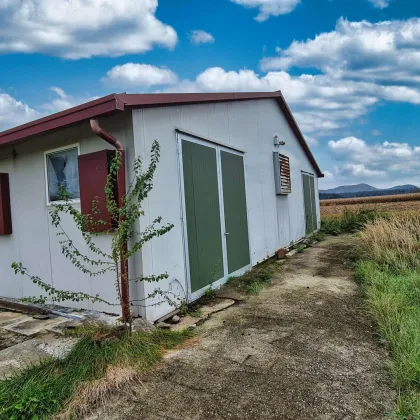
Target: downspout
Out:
[121,191]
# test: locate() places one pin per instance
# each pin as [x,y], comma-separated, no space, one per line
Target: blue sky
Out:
[349,69]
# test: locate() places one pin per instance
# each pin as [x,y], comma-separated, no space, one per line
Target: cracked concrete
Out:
[303,349]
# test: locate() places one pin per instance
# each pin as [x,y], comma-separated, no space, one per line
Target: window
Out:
[62,173]
[282,174]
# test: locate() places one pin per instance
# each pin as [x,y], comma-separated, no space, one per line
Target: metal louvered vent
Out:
[282,174]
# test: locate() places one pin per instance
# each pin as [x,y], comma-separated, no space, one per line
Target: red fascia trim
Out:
[101,106]
[164,99]
[118,102]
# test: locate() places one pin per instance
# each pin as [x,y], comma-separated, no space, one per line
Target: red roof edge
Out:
[118,102]
[296,130]
[101,106]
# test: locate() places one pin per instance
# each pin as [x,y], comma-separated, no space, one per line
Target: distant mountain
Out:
[350,189]
[404,187]
[365,190]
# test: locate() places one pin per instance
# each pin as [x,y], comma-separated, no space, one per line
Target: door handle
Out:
[226,233]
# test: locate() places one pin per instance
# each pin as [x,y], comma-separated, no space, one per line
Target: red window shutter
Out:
[93,172]
[5,209]
[286,185]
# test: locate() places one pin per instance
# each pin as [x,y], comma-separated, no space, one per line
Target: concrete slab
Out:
[30,327]
[216,305]
[291,253]
[8,317]
[18,357]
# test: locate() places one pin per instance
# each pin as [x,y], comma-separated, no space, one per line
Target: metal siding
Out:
[203,214]
[34,241]
[235,211]
[274,221]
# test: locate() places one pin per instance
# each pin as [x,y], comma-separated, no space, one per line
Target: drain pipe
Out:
[121,191]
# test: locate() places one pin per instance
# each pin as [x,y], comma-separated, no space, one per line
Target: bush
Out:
[350,221]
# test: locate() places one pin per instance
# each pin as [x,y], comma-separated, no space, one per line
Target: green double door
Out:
[216,213]
[308,182]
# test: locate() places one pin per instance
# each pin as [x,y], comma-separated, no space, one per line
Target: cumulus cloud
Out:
[388,161]
[321,103]
[380,4]
[386,52]
[269,8]
[139,75]
[201,37]
[76,29]
[14,112]
[361,63]
[61,101]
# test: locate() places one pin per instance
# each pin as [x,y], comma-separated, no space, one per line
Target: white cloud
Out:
[380,4]
[61,101]
[320,103]
[384,52]
[76,29]
[388,161]
[376,133]
[201,37]
[14,112]
[269,8]
[139,75]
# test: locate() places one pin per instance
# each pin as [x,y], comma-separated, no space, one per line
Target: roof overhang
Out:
[119,102]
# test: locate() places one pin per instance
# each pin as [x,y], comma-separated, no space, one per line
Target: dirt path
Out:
[303,349]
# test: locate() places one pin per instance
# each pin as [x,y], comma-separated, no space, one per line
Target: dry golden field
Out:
[388,203]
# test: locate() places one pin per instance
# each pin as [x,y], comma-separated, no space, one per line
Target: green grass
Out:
[255,279]
[350,221]
[394,300]
[42,390]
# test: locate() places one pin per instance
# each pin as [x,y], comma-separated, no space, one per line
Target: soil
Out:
[8,339]
[305,348]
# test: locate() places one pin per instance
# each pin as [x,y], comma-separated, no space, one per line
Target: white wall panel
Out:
[34,241]
[274,221]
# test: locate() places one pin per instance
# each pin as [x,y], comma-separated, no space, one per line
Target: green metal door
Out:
[313,203]
[308,203]
[202,214]
[236,221]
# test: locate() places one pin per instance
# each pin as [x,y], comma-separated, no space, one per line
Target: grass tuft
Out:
[255,279]
[93,369]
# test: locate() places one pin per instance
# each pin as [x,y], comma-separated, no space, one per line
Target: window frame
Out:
[49,152]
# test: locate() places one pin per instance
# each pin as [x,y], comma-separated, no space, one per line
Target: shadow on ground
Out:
[303,349]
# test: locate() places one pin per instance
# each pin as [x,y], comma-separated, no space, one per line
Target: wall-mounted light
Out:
[278,142]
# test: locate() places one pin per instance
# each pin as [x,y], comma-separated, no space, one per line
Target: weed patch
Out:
[255,279]
[92,370]
[350,221]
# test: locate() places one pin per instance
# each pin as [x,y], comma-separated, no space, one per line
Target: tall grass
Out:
[99,364]
[390,271]
[394,242]
[350,221]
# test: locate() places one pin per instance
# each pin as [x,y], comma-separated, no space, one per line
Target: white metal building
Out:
[235,177]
